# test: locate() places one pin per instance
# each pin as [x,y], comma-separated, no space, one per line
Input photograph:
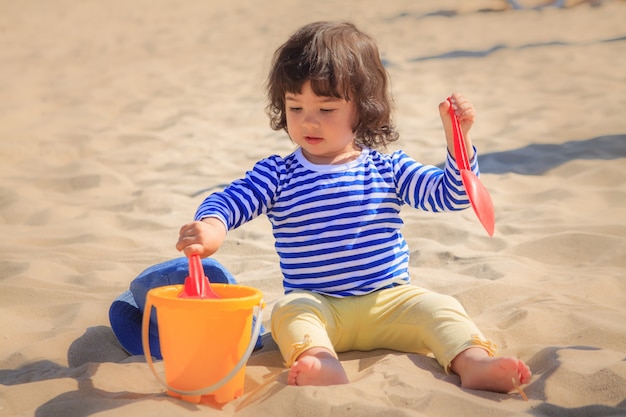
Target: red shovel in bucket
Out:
[197,285]
[478,195]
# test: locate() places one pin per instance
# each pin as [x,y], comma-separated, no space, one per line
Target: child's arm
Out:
[426,187]
[241,201]
[201,237]
[465,112]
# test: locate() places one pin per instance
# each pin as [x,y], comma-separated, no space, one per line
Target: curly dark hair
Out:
[342,62]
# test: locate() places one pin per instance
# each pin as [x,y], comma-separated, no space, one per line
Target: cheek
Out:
[354,119]
[289,121]
[293,120]
[291,126]
[353,123]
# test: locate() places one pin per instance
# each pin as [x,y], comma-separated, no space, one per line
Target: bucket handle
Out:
[202,391]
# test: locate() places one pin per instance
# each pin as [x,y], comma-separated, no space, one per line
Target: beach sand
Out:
[118,117]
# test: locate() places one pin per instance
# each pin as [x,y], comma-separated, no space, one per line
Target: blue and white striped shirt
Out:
[337,227]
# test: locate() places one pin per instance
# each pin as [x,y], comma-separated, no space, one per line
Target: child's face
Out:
[321,126]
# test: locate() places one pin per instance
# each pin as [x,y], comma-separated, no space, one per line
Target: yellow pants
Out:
[403,318]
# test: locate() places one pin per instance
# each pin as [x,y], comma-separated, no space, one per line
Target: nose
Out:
[310,121]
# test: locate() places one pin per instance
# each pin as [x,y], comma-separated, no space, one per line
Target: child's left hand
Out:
[466,113]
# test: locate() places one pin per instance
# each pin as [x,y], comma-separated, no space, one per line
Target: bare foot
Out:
[480,371]
[317,367]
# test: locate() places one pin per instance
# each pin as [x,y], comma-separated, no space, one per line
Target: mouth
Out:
[312,140]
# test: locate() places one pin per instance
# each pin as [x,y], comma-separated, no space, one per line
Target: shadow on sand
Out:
[537,159]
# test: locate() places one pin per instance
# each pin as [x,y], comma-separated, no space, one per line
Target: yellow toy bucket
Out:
[205,343]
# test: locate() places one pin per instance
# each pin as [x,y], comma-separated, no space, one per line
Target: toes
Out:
[525,374]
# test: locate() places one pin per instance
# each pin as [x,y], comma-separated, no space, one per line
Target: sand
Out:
[117,117]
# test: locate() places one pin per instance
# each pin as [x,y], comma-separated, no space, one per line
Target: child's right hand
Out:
[201,237]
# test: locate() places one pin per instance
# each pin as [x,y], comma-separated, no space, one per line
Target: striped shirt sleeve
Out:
[246,198]
[428,187]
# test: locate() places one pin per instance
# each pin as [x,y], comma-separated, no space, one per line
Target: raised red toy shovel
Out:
[197,285]
[478,195]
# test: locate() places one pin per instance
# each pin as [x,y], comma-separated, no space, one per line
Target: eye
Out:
[295,109]
[327,110]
